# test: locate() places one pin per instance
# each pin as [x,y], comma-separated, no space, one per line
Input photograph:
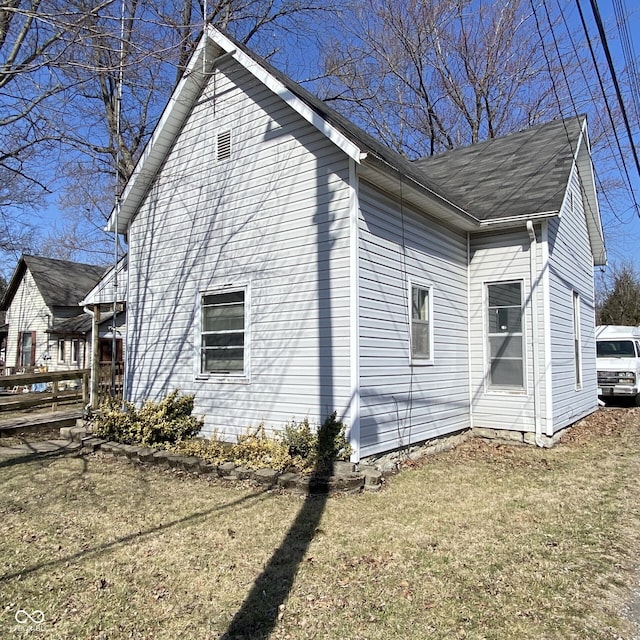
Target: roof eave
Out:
[410,188]
[592,209]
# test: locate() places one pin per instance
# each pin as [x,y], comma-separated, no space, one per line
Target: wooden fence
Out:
[109,381]
[27,390]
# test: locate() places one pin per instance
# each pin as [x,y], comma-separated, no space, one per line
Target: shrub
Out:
[211,449]
[314,449]
[155,423]
[255,450]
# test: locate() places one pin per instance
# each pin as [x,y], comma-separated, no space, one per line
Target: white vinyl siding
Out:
[500,257]
[401,403]
[571,273]
[28,313]
[275,215]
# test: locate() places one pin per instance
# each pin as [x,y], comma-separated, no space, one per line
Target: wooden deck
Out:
[39,421]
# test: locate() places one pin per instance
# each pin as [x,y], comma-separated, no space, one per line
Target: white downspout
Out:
[533,301]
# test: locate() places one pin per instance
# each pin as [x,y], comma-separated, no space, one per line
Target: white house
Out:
[45,325]
[283,263]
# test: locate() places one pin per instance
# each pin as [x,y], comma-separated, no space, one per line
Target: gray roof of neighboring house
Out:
[78,324]
[61,283]
[521,174]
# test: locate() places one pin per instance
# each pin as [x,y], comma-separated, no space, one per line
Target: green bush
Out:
[155,423]
[255,450]
[315,449]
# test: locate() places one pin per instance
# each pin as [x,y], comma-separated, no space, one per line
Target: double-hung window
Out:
[223,320]
[421,324]
[505,335]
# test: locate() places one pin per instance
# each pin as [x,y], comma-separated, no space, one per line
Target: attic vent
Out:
[224,145]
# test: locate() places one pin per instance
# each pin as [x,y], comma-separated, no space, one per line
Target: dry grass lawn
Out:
[487,541]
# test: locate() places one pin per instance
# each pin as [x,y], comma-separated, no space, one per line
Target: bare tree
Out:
[35,38]
[149,56]
[620,297]
[431,75]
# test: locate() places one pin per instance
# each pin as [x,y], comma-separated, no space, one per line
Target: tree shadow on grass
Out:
[258,615]
[124,540]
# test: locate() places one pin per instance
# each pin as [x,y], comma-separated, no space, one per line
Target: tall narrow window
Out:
[223,333]
[61,350]
[27,349]
[577,350]
[421,337]
[506,359]
[75,351]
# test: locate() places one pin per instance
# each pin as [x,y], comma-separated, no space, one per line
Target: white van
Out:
[618,362]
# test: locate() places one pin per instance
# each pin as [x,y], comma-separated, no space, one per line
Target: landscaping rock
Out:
[225,469]
[145,454]
[175,460]
[289,480]
[161,458]
[117,449]
[131,451]
[266,476]
[207,467]
[321,485]
[372,476]
[190,464]
[242,473]
[90,444]
[343,468]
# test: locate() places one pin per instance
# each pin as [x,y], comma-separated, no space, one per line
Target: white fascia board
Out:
[511,221]
[586,172]
[275,85]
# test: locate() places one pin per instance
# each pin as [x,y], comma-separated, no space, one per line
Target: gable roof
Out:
[61,283]
[508,185]
[522,174]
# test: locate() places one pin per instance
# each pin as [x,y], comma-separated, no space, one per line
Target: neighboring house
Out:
[46,325]
[282,263]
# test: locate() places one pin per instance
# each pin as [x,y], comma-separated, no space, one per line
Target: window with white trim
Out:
[222,345]
[505,335]
[421,323]
[61,350]
[75,351]
[577,347]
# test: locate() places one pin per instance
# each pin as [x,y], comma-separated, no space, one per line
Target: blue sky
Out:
[620,218]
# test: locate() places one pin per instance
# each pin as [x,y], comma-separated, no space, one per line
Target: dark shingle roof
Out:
[518,175]
[78,324]
[61,283]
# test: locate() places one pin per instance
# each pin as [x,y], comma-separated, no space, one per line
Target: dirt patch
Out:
[604,423]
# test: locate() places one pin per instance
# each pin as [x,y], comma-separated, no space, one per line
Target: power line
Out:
[629,55]
[605,46]
[607,107]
